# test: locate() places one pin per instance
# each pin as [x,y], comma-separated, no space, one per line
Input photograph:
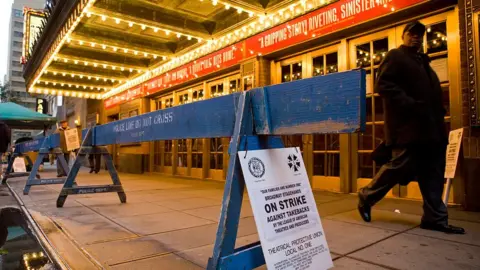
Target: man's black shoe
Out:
[91,170]
[364,209]
[442,228]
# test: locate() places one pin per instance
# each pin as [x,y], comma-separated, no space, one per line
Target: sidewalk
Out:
[170,223]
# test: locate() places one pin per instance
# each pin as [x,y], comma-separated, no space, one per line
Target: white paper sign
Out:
[19,165]
[453,149]
[284,208]
[71,139]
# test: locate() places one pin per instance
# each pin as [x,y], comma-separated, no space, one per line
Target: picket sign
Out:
[334,103]
[453,150]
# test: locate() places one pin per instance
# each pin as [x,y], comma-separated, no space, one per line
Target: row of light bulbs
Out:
[114,48]
[62,84]
[228,6]
[66,93]
[261,23]
[81,76]
[144,26]
[62,41]
[95,64]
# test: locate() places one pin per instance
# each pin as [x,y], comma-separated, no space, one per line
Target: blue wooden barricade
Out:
[20,150]
[333,103]
[44,146]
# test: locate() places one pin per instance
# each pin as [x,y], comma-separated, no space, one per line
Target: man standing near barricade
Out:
[63,145]
[415,131]
[94,160]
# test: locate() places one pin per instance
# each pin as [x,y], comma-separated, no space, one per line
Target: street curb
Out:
[40,235]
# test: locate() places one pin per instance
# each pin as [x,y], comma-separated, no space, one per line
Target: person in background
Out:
[94,160]
[5,138]
[414,129]
[63,145]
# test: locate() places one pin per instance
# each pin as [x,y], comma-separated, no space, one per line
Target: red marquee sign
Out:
[334,17]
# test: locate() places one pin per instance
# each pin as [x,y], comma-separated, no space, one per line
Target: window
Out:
[17,34]
[18,24]
[16,64]
[182,153]
[291,72]
[17,54]
[197,153]
[234,85]
[326,147]
[17,13]
[435,44]
[216,154]
[17,44]
[198,95]
[216,90]
[247,82]
[18,84]
[17,73]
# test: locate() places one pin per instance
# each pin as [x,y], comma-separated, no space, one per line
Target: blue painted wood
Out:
[326,104]
[70,187]
[334,103]
[247,257]
[210,118]
[235,185]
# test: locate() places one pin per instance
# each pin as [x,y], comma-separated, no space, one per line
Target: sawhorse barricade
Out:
[333,103]
[44,146]
[9,171]
[71,188]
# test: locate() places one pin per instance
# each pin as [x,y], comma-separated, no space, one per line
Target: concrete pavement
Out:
[170,223]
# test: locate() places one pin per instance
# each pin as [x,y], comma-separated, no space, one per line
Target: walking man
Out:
[414,130]
[63,145]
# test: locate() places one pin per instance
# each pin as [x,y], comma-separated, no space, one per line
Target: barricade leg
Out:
[41,155]
[9,169]
[225,256]
[30,163]
[70,187]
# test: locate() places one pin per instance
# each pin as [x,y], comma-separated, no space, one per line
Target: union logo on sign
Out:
[294,163]
[256,167]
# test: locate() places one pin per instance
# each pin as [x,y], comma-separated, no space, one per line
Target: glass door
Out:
[325,147]
[291,70]
[441,48]
[163,150]
[367,53]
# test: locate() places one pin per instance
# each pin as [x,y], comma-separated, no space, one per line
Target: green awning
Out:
[19,117]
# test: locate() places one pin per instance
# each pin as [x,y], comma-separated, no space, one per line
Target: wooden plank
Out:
[334,103]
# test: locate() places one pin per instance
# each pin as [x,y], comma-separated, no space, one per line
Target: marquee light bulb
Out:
[239,10]
[117,20]
[130,24]
[104,18]
[214,2]
[227,6]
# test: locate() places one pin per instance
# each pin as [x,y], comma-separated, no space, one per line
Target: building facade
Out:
[14,76]
[334,37]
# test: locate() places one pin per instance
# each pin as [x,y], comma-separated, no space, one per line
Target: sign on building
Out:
[32,26]
[287,219]
[42,105]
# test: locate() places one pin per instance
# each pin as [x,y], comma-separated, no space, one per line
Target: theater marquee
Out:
[31,27]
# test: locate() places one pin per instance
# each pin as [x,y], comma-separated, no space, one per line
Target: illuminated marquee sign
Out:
[334,17]
[31,27]
[42,105]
